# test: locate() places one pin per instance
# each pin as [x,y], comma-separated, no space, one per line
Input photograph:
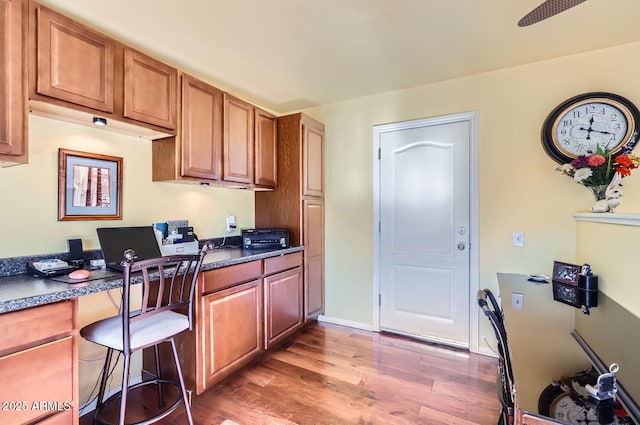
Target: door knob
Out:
[461,246]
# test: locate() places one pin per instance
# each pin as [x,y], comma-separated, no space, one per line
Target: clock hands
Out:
[592,130]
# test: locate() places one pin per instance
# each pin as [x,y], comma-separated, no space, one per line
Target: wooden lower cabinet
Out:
[240,311]
[313,239]
[232,330]
[39,366]
[283,305]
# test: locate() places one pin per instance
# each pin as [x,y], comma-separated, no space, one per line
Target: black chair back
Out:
[493,312]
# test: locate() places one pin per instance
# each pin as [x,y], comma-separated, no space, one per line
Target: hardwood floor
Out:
[334,375]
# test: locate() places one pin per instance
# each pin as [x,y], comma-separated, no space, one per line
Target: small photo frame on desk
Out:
[566,273]
[565,283]
[89,186]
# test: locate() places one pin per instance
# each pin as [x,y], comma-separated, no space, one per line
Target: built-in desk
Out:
[543,348]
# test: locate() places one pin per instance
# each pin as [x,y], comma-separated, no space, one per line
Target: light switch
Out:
[517,238]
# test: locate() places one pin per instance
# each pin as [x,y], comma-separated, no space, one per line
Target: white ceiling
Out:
[286,55]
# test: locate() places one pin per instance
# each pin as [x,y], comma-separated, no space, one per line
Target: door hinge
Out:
[379,226]
[379,153]
[379,299]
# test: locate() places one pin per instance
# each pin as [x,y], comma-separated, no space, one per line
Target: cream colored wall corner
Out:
[612,252]
[30,204]
[518,188]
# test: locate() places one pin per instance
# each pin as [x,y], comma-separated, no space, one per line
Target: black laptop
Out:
[114,241]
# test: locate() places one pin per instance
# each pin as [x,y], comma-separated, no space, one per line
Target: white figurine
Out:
[612,197]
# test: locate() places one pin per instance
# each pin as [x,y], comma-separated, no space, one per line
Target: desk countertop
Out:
[542,348]
[24,291]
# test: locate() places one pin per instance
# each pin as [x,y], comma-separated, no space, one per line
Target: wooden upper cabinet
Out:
[237,141]
[13,110]
[150,90]
[201,129]
[266,149]
[74,64]
[312,158]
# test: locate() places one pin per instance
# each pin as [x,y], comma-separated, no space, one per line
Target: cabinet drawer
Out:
[225,277]
[20,328]
[283,262]
[41,381]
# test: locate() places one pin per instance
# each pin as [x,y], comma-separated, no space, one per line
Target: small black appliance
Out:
[265,238]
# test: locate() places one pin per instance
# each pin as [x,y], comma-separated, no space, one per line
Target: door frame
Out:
[472,118]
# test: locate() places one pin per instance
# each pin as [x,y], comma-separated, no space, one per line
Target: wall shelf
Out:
[609,218]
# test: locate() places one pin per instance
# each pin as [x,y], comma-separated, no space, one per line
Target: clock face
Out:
[568,411]
[582,124]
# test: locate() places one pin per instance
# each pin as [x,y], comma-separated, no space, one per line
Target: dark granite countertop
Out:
[24,291]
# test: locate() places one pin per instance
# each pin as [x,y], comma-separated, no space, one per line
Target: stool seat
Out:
[144,332]
[164,311]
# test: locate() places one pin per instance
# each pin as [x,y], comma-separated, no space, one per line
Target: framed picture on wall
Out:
[89,186]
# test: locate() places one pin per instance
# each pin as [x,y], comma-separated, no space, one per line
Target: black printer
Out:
[265,238]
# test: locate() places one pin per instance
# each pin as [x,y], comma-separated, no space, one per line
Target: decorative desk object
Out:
[591,136]
[575,285]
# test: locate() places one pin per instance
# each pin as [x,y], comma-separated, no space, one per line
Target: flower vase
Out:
[599,191]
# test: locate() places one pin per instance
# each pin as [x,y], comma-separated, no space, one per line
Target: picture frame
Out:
[566,273]
[82,177]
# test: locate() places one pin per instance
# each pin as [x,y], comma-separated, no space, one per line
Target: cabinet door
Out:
[232,330]
[312,160]
[283,305]
[150,90]
[74,64]
[237,149]
[313,240]
[201,129]
[41,375]
[13,111]
[266,149]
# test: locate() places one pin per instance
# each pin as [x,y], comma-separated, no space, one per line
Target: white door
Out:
[424,213]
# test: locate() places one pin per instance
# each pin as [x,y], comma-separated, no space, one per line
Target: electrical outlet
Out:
[517,238]
[517,301]
[231,223]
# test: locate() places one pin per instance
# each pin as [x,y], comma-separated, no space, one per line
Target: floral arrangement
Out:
[599,168]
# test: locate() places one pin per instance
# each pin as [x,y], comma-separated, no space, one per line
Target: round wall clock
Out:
[578,126]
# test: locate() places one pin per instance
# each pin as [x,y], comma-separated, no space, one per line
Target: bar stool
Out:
[165,310]
[505,372]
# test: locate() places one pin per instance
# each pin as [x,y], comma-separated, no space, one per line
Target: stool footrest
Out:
[142,394]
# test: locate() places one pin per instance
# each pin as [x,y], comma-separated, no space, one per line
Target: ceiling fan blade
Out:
[547,10]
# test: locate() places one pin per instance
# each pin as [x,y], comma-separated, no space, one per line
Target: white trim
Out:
[609,218]
[472,118]
[344,322]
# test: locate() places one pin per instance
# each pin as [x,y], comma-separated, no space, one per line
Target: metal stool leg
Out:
[185,397]
[156,352]
[125,387]
[103,382]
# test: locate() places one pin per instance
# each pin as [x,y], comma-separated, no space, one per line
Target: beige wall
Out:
[29,210]
[519,189]
[30,193]
[612,252]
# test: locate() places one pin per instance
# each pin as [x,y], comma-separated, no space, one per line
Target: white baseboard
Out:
[487,351]
[344,322]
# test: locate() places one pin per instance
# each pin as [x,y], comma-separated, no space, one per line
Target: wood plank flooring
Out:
[334,375]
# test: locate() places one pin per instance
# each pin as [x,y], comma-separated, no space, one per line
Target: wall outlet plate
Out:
[231,223]
[517,301]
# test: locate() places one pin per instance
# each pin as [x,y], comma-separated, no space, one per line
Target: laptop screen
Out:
[115,240]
